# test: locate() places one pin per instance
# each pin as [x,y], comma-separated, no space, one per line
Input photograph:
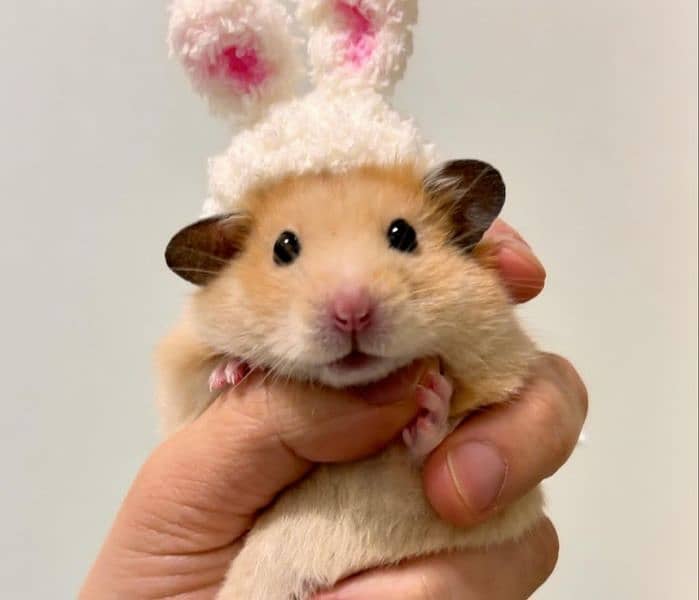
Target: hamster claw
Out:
[229,372]
[430,428]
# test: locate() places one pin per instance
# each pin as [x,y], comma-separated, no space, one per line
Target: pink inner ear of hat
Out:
[240,65]
[361,38]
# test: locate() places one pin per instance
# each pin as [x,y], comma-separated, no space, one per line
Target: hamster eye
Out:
[286,249]
[402,236]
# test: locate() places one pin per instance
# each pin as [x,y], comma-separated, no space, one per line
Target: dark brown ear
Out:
[199,252]
[473,192]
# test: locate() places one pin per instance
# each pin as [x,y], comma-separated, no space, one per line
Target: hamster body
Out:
[341,279]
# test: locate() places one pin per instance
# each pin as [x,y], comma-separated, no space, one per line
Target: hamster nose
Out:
[352,310]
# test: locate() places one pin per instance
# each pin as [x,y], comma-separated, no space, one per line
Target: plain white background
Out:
[588,108]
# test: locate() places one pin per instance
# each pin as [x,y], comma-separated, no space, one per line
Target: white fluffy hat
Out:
[241,55]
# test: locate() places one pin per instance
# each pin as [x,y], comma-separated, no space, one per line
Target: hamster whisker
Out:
[274,371]
[213,257]
[194,270]
[525,284]
[524,279]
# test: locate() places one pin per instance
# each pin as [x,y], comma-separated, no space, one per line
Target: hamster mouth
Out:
[358,368]
[355,360]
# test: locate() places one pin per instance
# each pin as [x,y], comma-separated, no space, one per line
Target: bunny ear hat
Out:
[241,55]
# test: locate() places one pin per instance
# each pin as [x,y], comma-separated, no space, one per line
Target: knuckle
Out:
[551,546]
[572,389]
[545,551]
[571,378]
[555,423]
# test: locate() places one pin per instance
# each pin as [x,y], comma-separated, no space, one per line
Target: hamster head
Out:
[344,278]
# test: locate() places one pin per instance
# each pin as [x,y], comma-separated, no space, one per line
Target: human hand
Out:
[200,491]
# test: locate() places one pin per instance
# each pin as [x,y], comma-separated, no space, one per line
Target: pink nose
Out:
[352,310]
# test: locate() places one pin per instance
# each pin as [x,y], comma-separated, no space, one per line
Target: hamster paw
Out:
[229,372]
[432,425]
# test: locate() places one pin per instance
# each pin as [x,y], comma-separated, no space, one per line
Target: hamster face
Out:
[342,279]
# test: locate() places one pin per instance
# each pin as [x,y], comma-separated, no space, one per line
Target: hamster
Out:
[342,279]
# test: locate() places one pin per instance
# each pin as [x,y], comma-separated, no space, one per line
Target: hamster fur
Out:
[440,300]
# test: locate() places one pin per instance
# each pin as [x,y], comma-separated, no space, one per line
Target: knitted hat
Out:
[241,55]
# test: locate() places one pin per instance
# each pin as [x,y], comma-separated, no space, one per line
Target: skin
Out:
[182,522]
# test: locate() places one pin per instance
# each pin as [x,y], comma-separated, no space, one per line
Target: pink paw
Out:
[228,373]
[432,425]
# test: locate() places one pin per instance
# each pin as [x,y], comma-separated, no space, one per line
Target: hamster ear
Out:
[363,40]
[239,54]
[201,251]
[472,192]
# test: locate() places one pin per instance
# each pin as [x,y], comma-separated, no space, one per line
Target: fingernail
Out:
[478,473]
[398,387]
[521,250]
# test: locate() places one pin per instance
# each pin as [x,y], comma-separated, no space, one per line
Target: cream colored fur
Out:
[342,519]
[347,518]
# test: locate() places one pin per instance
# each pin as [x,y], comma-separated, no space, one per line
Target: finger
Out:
[200,490]
[499,455]
[520,269]
[204,486]
[512,571]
